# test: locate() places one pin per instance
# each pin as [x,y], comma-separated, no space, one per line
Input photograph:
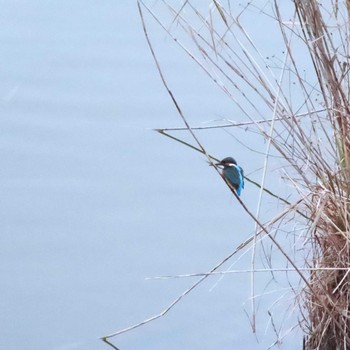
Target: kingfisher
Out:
[233,174]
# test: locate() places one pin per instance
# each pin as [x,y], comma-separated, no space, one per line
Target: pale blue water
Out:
[93,201]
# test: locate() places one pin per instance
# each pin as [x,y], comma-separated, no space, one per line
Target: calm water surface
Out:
[93,201]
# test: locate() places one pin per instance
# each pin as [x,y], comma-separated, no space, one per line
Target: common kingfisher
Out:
[233,174]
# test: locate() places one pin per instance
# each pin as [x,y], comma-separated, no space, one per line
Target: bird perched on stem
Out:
[233,174]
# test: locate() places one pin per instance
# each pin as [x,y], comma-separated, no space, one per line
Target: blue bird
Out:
[233,174]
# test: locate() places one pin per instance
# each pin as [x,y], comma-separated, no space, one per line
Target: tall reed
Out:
[297,100]
[315,147]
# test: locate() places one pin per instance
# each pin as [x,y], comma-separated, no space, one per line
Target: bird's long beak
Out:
[215,164]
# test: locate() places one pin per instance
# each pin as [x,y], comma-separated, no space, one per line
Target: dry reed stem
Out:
[331,234]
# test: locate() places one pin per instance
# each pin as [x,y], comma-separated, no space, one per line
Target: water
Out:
[93,201]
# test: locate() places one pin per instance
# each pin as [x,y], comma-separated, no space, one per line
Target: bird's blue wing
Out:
[242,175]
[235,176]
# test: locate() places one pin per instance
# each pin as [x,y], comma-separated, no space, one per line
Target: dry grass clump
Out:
[327,300]
[326,32]
[304,117]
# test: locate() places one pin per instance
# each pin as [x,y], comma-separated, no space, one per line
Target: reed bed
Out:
[298,102]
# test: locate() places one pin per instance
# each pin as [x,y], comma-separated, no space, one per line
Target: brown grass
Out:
[305,120]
